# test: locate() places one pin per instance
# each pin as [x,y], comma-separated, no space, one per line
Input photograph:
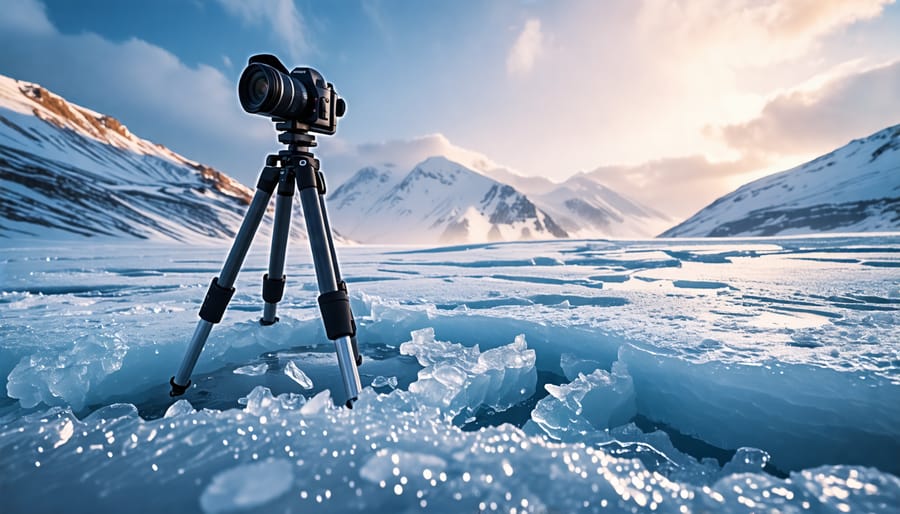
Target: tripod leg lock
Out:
[336,314]
[273,288]
[268,179]
[216,301]
[309,177]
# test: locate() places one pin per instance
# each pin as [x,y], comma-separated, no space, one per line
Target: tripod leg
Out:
[337,275]
[333,302]
[221,289]
[273,281]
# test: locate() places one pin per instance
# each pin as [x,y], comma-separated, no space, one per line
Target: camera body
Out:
[302,95]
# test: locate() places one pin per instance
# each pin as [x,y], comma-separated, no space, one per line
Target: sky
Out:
[670,102]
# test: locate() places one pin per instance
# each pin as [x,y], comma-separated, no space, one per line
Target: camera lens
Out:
[259,87]
[267,91]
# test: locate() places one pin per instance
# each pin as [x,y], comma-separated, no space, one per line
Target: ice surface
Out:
[834,415]
[776,391]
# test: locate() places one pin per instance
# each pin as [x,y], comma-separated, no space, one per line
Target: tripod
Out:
[295,164]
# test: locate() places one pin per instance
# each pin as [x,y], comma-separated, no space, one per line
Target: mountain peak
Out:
[439,164]
[438,161]
[368,174]
[438,201]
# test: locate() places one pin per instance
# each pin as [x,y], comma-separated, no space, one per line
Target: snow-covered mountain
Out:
[439,201]
[855,188]
[583,205]
[585,208]
[69,172]
[531,186]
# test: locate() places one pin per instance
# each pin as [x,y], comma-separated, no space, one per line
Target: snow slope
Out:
[756,375]
[855,188]
[68,172]
[439,201]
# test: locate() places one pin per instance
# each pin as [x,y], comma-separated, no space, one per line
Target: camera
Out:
[302,95]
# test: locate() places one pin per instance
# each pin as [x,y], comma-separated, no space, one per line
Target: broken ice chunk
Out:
[253,370]
[66,377]
[595,401]
[179,408]
[382,381]
[746,460]
[317,403]
[463,378]
[572,366]
[258,401]
[297,375]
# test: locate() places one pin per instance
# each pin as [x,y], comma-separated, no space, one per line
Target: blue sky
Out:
[678,101]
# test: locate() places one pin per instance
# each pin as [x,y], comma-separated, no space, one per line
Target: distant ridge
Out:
[69,172]
[855,188]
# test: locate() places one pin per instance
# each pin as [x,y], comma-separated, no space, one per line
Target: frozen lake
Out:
[673,376]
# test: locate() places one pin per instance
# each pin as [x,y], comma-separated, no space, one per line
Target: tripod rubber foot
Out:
[266,323]
[359,360]
[349,403]
[178,390]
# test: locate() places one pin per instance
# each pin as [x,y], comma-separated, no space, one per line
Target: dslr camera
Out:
[302,95]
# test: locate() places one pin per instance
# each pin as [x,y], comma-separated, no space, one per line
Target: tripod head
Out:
[300,97]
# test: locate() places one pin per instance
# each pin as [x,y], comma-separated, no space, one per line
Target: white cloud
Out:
[281,16]
[27,16]
[821,119]
[677,186]
[527,48]
[643,79]
[749,32]
[192,110]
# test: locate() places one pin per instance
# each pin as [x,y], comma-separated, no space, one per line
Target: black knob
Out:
[340,108]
